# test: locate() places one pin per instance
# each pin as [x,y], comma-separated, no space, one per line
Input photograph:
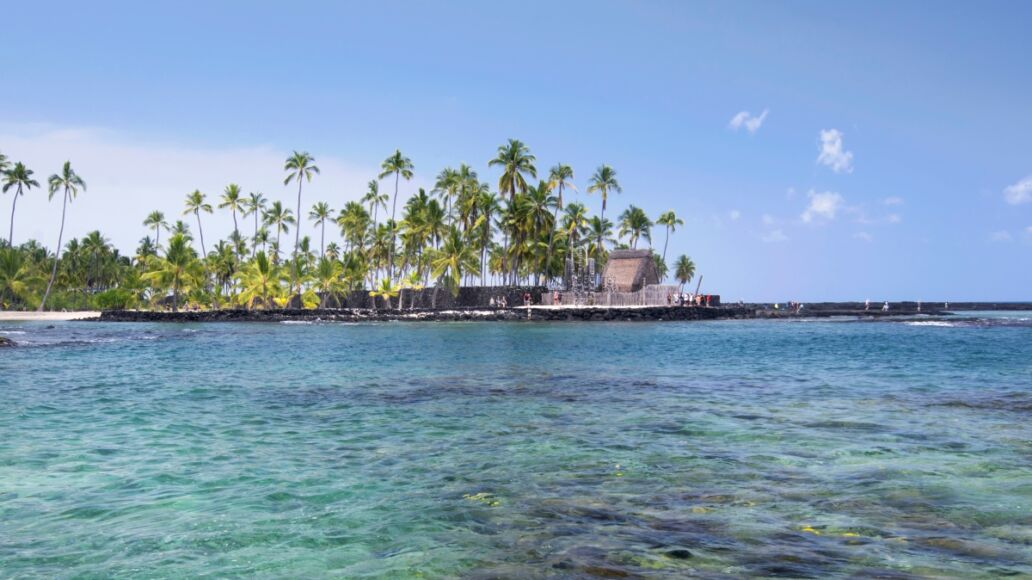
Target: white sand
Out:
[7,316]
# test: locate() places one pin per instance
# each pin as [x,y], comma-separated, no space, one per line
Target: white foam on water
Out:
[939,323]
[12,332]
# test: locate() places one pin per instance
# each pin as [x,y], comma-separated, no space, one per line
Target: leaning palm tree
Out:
[20,178]
[232,199]
[684,270]
[70,183]
[385,290]
[300,167]
[255,204]
[195,204]
[319,214]
[156,220]
[671,221]
[400,166]
[602,182]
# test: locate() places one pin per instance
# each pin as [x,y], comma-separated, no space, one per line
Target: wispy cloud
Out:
[1000,236]
[734,215]
[893,201]
[1020,192]
[863,236]
[832,153]
[750,122]
[823,206]
[774,236]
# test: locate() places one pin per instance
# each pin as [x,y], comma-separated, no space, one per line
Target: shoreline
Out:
[518,314]
[47,316]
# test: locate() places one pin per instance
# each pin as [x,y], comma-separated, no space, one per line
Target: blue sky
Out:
[923,190]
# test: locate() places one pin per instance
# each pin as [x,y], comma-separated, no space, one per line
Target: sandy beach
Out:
[8,316]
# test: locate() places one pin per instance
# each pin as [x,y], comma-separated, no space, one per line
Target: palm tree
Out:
[684,270]
[515,159]
[328,280]
[455,259]
[259,282]
[602,182]
[375,199]
[319,214]
[145,250]
[195,204]
[70,183]
[400,166]
[178,269]
[181,228]
[16,276]
[559,177]
[635,224]
[671,221]
[232,199]
[280,217]
[600,230]
[255,204]
[20,178]
[156,220]
[299,167]
[385,290]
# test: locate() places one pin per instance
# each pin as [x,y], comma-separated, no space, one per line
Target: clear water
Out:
[518,449]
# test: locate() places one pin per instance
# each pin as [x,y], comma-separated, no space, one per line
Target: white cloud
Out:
[823,206]
[774,236]
[1020,192]
[768,219]
[832,152]
[752,123]
[1028,230]
[1000,236]
[893,201]
[128,178]
[734,215]
[863,236]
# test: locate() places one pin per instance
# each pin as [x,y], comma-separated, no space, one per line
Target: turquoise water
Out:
[518,449]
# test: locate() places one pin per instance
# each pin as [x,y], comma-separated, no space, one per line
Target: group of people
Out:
[500,302]
[688,299]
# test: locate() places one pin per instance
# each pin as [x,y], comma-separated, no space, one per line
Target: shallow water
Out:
[496,450]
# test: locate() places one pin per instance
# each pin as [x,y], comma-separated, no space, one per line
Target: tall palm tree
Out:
[602,182]
[233,200]
[255,205]
[280,217]
[515,159]
[300,166]
[684,270]
[559,177]
[20,178]
[70,183]
[375,199]
[195,204]
[635,224]
[319,214]
[400,166]
[156,220]
[670,220]
[455,259]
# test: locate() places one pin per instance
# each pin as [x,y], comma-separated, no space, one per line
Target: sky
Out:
[815,150]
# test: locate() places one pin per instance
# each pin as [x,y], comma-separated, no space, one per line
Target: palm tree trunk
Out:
[297,230]
[254,245]
[394,209]
[204,252]
[57,254]
[322,240]
[157,236]
[10,237]
[665,242]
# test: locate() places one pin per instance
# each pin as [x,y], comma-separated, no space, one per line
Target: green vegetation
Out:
[460,233]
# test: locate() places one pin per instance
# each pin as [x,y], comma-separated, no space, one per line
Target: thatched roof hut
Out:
[630,270]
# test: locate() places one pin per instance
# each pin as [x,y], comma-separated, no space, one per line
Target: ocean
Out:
[796,448]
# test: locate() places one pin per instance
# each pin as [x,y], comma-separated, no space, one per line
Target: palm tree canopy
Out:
[604,181]
[670,220]
[300,165]
[67,180]
[232,198]
[255,202]
[195,203]
[515,160]
[684,269]
[396,163]
[19,177]
[320,212]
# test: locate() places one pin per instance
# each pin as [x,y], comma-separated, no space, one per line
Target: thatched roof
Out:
[630,270]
